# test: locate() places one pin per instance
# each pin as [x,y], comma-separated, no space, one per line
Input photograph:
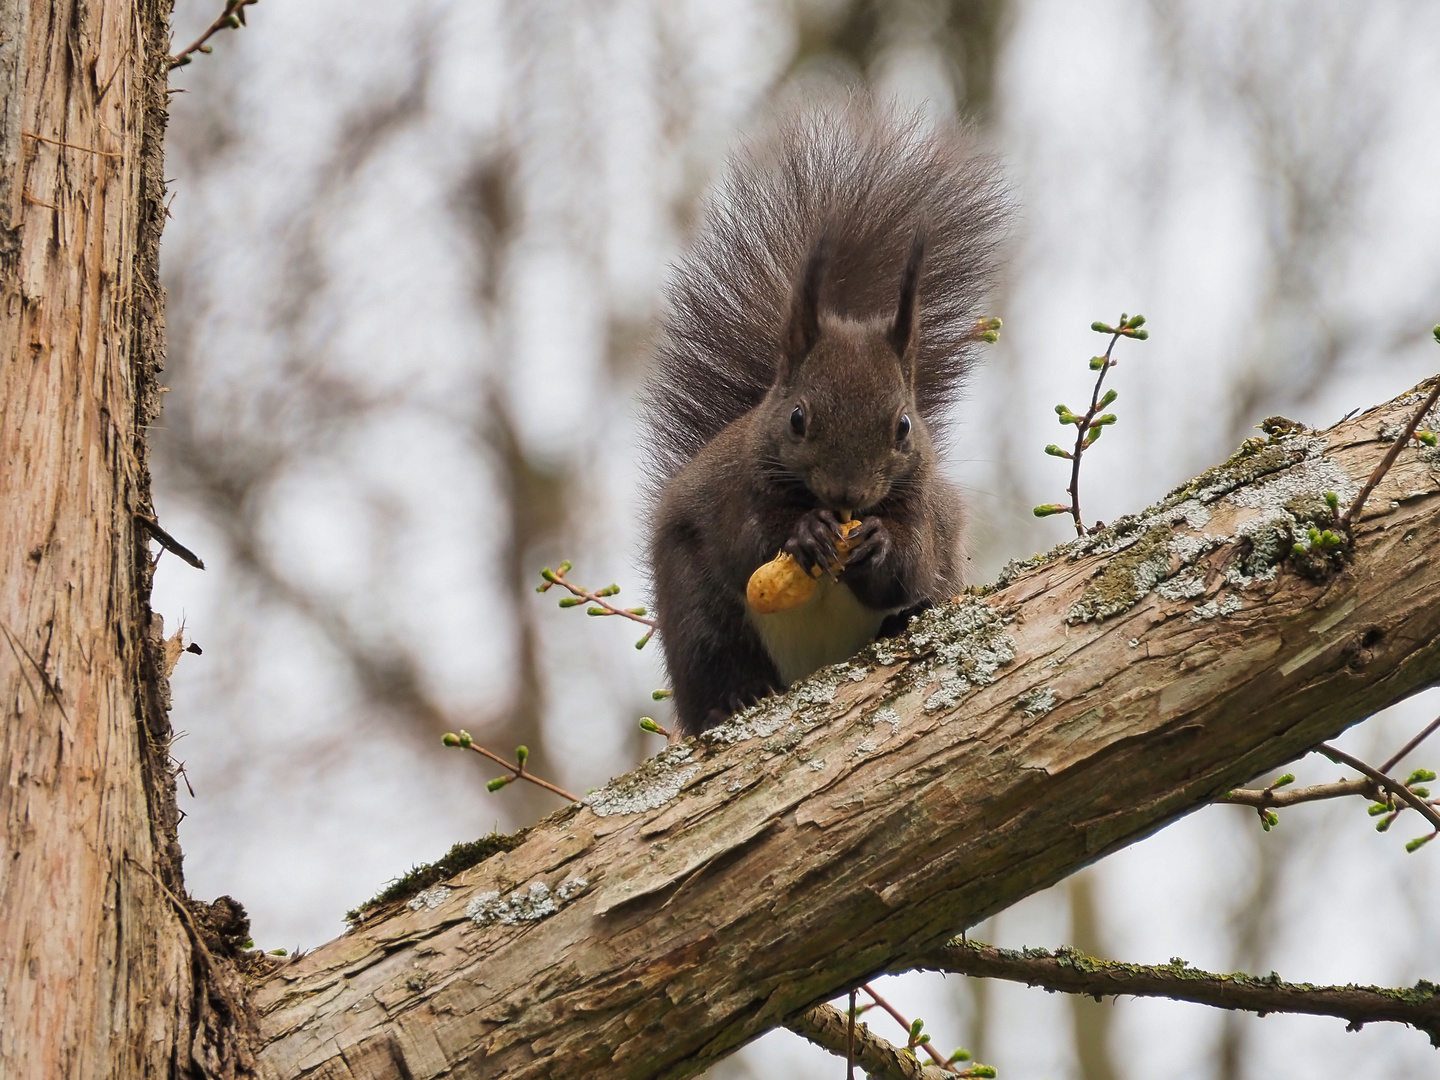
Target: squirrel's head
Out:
[841,415]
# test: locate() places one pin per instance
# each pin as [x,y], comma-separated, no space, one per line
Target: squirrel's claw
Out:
[870,543]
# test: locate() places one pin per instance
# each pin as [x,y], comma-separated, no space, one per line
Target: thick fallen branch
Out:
[858,823]
[1072,972]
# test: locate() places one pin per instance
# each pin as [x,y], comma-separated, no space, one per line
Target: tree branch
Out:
[855,824]
[825,1026]
[1071,972]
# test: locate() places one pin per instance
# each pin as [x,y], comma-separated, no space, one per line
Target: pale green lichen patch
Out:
[652,785]
[1126,578]
[1038,702]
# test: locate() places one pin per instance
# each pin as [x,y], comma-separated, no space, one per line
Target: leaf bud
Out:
[1136,321]
[466,740]
[1426,437]
[1141,335]
[1420,776]
[498,783]
[1288,778]
[521,754]
[661,695]
[450,739]
[566,567]
[1046,509]
[647,724]
[1332,500]
[571,601]
[1101,328]
[1096,363]
[990,336]
[1419,842]
[1110,395]
[1055,451]
[596,611]
[994,323]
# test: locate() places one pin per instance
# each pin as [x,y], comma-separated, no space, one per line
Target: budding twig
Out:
[598,604]
[1091,426]
[517,770]
[1389,459]
[232,18]
[1389,783]
[913,1027]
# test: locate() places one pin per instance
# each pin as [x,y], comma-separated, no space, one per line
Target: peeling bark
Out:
[855,824]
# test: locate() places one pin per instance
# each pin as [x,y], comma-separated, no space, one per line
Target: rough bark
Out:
[96,970]
[854,825]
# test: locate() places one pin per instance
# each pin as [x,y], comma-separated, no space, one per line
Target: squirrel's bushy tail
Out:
[866,178]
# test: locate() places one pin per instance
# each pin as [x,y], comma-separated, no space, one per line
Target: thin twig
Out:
[1389,459]
[900,1019]
[234,9]
[518,769]
[1389,783]
[557,577]
[1264,798]
[1399,755]
[1082,430]
[826,1028]
[850,1039]
[1070,971]
[168,542]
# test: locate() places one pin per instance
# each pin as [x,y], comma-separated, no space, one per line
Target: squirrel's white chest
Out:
[829,627]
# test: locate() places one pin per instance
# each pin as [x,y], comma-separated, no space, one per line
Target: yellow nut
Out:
[781,584]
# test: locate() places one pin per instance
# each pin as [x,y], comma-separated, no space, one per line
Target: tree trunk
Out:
[97,973]
[883,806]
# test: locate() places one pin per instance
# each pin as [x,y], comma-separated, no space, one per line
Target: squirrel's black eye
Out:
[903,428]
[797,421]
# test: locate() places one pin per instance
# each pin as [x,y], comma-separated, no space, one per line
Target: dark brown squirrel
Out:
[817,334]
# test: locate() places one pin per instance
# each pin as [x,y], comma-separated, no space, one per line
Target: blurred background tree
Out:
[414,258]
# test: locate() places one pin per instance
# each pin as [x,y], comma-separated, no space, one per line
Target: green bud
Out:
[1426,437]
[1384,823]
[1376,809]
[1101,421]
[647,724]
[207,49]
[1055,451]
[1136,321]
[661,695]
[450,739]
[1110,395]
[1124,320]
[548,575]
[1101,328]
[1096,363]
[232,21]
[571,601]
[1419,842]
[1288,778]
[1421,790]
[186,59]
[498,783]
[277,952]
[915,1028]
[1332,500]
[1141,335]
[1046,509]
[465,740]
[521,754]
[1420,776]
[646,639]
[990,337]
[596,611]
[961,1054]
[609,590]
[1299,550]
[1095,433]
[981,1072]
[994,323]
[566,567]
[636,610]
[1436,331]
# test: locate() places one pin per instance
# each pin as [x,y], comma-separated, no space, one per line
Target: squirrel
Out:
[816,336]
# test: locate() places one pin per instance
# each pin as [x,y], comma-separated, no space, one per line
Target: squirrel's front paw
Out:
[871,543]
[812,543]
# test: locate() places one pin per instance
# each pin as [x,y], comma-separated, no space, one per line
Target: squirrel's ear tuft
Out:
[907,314]
[802,324]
